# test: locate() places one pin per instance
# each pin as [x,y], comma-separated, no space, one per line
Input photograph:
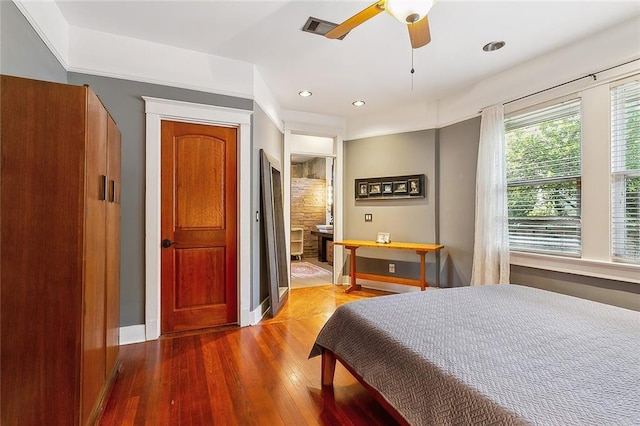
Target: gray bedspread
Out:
[500,354]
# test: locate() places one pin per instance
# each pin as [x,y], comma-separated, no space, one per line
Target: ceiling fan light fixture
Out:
[358,103]
[408,11]
[305,93]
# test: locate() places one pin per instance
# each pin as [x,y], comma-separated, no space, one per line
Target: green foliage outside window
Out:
[626,172]
[548,150]
[543,178]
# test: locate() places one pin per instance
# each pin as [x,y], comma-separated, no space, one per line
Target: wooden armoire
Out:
[60,252]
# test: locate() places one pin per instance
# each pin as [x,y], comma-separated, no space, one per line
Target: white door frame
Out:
[337,134]
[157,110]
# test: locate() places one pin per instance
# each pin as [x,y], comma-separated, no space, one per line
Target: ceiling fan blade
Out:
[419,33]
[355,20]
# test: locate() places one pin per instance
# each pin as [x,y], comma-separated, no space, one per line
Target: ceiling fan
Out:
[412,13]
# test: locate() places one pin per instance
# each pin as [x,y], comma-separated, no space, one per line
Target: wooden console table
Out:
[420,249]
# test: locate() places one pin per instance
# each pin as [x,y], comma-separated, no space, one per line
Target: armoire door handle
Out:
[112,191]
[104,187]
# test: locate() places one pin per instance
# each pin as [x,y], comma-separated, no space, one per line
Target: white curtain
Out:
[491,243]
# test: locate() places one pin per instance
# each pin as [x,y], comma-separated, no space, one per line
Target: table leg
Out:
[321,254]
[352,271]
[423,281]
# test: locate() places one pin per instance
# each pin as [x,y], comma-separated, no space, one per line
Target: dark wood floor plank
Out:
[221,402]
[293,385]
[243,376]
[194,401]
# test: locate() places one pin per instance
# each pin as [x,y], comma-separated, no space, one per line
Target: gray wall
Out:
[458,146]
[22,51]
[124,101]
[265,135]
[619,293]
[448,158]
[406,220]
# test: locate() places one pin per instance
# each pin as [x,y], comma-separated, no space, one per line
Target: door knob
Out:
[167,243]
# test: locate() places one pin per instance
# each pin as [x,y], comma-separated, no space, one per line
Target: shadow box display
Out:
[393,187]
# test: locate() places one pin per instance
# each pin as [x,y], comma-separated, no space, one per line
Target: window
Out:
[543,179]
[625,172]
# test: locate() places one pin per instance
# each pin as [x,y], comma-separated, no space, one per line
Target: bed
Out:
[499,354]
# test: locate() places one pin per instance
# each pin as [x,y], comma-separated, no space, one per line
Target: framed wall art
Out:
[362,190]
[390,187]
[400,187]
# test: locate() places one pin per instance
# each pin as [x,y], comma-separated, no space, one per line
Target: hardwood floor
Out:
[257,375]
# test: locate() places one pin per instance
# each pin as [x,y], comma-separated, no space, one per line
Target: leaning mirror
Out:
[273,226]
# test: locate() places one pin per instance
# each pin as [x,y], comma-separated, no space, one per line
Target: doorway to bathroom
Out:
[312,204]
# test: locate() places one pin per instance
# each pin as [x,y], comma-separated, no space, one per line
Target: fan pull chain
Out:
[412,49]
[412,70]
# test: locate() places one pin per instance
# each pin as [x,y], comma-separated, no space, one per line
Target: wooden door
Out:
[198,226]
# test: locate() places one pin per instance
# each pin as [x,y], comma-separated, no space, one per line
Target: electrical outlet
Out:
[392,268]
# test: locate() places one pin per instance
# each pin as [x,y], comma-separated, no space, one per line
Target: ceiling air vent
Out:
[318,26]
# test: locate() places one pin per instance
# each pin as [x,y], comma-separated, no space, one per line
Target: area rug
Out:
[307,270]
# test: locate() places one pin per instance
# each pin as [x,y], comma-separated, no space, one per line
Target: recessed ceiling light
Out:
[357,103]
[494,45]
[305,93]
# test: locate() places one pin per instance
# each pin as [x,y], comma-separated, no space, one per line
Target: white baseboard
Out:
[262,310]
[253,317]
[132,334]
[137,333]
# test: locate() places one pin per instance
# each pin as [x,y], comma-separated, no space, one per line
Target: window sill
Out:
[590,268]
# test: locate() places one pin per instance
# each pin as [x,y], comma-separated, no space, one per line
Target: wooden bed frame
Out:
[328,371]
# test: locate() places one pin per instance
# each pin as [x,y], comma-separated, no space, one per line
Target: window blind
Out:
[625,172]
[543,179]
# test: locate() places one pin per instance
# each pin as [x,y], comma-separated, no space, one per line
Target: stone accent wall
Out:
[308,209]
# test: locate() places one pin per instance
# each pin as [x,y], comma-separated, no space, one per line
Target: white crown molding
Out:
[609,48]
[100,53]
[93,52]
[266,100]
[160,82]
[414,117]
[49,23]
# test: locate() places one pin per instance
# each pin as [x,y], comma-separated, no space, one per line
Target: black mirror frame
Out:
[273,226]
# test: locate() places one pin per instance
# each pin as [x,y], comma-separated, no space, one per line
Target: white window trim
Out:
[551,103]
[618,178]
[596,256]
[627,272]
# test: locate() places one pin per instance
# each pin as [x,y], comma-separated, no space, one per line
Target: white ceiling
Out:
[373,62]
